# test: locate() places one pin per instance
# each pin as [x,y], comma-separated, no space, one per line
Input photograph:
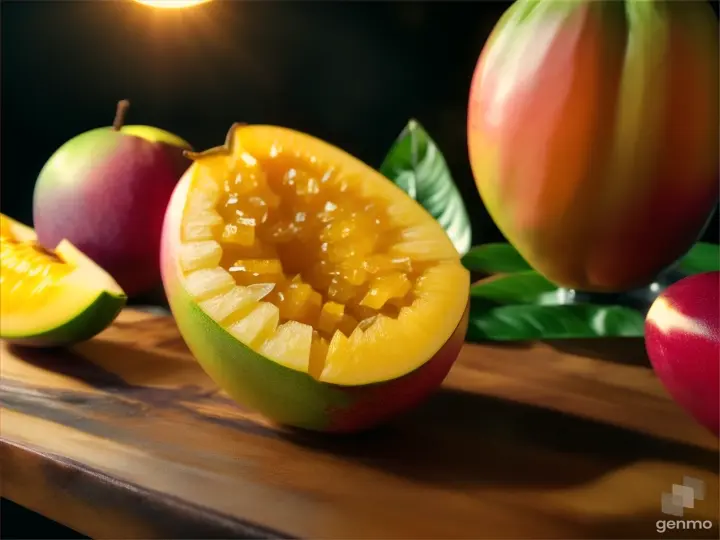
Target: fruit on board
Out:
[593,135]
[51,298]
[307,285]
[682,338]
[106,191]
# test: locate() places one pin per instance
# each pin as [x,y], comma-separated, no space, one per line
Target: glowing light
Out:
[667,319]
[172,4]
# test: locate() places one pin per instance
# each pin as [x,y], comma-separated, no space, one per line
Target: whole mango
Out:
[106,191]
[593,135]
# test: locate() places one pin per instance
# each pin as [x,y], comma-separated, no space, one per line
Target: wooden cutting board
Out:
[125,437]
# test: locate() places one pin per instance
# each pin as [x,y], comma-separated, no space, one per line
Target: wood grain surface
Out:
[125,437]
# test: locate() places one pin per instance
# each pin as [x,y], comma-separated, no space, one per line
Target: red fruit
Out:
[106,191]
[682,338]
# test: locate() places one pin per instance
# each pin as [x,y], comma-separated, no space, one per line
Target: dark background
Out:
[352,73]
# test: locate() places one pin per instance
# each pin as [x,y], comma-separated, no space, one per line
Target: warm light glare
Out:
[172,4]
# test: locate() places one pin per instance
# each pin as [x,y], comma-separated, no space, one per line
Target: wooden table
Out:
[125,437]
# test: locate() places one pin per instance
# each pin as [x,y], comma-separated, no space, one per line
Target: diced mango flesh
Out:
[330,316]
[258,325]
[203,226]
[383,288]
[293,218]
[240,233]
[292,342]
[318,353]
[249,271]
[326,250]
[236,303]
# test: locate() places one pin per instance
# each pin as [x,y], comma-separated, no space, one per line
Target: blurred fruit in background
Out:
[593,135]
[682,338]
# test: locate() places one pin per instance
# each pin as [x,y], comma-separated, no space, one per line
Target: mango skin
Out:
[682,339]
[593,135]
[81,327]
[282,395]
[107,191]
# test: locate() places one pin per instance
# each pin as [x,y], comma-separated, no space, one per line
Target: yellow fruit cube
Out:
[330,316]
[341,291]
[299,302]
[249,271]
[353,271]
[318,353]
[394,285]
[384,264]
[242,234]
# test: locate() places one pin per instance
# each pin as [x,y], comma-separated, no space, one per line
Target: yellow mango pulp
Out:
[340,261]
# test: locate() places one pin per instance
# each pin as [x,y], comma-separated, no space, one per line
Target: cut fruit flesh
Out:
[353,281]
[43,292]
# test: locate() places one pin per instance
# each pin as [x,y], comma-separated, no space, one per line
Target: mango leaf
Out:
[531,322]
[702,257]
[418,167]
[520,288]
[495,258]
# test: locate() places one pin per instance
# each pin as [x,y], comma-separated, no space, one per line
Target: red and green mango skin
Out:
[282,395]
[593,135]
[107,191]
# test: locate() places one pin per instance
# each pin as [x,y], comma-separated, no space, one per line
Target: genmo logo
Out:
[682,524]
[675,502]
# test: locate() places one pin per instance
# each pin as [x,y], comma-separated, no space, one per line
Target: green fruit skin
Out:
[280,394]
[157,135]
[106,192]
[81,327]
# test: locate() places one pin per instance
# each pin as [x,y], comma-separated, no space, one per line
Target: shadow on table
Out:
[20,523]
[456,438]
[626,351]
[460,438]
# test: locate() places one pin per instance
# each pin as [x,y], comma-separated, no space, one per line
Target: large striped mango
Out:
[593,135]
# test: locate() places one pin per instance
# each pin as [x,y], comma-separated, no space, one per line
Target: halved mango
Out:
[51,298]
[306,283]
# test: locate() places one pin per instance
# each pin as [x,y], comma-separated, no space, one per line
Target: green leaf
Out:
[498,258]
[520,288]
[702,257]
[517,323]
[418,167]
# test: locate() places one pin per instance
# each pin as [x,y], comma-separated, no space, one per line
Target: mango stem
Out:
[120,112]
